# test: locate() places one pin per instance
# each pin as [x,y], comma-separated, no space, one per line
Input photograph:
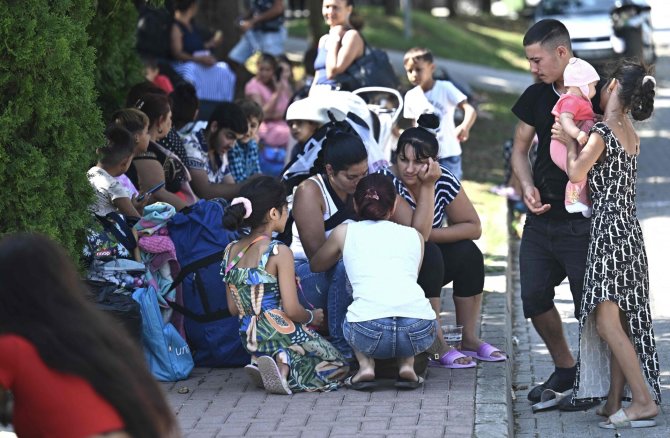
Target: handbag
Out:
[166,352]
[373,69]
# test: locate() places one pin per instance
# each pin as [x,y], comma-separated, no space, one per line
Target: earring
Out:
[160,130]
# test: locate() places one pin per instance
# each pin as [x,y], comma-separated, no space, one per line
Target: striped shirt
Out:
[216,82]
[446,189]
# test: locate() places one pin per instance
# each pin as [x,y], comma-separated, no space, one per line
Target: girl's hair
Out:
[182,5]
[185,104]
[154,106]
[43,301]
[342,149]
[374,197]
[269,59]
[636,94]
[120,145]
[264,193]
[422,138]
[140,89]
[131,119]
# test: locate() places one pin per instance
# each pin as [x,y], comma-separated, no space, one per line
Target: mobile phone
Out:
[151,190]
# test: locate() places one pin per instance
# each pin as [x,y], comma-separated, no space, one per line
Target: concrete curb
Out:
[493,392]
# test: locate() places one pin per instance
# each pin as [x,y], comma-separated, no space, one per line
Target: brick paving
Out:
[222,402]
[533,364]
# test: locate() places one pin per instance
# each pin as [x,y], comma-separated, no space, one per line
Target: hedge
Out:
[117,66]
[49,122]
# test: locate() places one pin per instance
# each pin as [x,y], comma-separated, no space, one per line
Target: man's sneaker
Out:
[553,383]
[569,405]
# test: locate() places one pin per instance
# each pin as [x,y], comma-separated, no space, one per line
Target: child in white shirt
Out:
[441,98]
[114,160]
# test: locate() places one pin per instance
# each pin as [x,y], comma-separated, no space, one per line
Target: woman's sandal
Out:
[448,360]
[619,420]
[361,385]
[485,352]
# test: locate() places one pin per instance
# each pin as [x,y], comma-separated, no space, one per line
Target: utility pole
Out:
[406,6]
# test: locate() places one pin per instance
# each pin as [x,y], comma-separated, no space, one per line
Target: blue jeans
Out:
[550,250]
[454,165]
[392,337]
[253,41]
[330,291]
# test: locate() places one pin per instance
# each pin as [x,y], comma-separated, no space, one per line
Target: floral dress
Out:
[265,330]
[616,271]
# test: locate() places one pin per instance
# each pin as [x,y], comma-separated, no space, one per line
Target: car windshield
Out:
[569,7]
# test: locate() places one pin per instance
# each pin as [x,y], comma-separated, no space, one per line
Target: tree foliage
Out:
[49,122]
[117,67]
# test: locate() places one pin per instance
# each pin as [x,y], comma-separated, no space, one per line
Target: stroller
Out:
[386,104]
[370,112]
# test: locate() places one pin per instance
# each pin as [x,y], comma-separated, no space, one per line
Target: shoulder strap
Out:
[123,233]
[343,212]
[239,255]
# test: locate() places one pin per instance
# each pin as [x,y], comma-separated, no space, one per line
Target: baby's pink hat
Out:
[579,73]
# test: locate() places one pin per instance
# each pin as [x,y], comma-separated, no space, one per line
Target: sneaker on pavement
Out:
[554,383]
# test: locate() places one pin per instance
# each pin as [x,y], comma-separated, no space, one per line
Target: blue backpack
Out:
[167,353]
[200,240]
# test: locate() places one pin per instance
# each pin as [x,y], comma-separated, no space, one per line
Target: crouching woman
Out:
[390,317]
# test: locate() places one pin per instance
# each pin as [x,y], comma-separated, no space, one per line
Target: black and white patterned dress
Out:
[616,271]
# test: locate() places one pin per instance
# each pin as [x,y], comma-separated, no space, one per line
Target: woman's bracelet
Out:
[311,317]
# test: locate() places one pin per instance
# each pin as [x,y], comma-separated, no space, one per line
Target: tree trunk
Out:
[315,26]
[452,5]
[485,6]
[221,15]
[390,7]
[424,5]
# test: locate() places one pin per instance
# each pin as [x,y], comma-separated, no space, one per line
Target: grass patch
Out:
[483,167]
[484,40]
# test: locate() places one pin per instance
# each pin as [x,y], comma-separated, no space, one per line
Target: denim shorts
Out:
[387,338]
[552,249]
[253,41]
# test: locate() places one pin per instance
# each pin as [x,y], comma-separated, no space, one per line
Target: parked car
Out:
[604,30]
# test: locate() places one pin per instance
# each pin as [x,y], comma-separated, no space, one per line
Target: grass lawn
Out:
[485,40]
[483,167]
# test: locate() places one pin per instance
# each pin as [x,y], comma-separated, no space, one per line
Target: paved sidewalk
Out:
[222,402]
[533,364]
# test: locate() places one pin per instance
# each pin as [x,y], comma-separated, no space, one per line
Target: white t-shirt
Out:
[107,188]
[442,100]
[382,261]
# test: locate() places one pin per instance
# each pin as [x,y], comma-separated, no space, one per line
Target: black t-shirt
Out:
[534,108]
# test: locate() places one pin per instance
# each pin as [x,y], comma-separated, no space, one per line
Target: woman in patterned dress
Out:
[262,291]
[615,317]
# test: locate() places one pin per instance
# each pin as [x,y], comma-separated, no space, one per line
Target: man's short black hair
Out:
[549,33]
[228,115]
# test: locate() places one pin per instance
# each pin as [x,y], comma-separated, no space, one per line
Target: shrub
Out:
[117,66]
[49,122]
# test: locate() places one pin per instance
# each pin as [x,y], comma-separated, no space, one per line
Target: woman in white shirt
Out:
[390,317]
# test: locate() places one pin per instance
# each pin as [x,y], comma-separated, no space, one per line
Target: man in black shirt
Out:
[554,242]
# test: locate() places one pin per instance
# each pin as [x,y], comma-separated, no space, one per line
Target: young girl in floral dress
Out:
[262,291]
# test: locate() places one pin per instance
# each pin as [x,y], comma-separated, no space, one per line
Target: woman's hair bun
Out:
[428,121]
